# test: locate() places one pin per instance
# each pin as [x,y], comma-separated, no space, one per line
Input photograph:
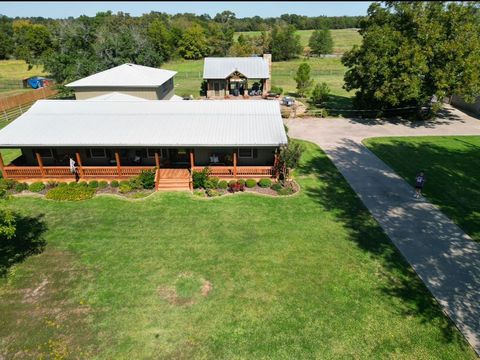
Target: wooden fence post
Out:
[2,166]
[40,163]
[117,159]
[235,164]
[80,165]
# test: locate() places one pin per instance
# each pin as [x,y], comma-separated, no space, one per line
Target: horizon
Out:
[242,9]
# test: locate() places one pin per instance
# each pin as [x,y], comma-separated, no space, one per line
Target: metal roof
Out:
[127,75]
[222,67]
[115,96]
[147,123]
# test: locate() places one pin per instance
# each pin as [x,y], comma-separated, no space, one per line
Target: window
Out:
[245,153]
[161,152]
[44,152]
[97,153]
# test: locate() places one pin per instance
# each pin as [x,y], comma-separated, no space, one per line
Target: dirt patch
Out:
[32,295]
[186,290]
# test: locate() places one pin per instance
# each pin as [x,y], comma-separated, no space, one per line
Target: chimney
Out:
[268,82]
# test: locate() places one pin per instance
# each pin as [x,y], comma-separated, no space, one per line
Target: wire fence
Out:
[277,73]
[8,84]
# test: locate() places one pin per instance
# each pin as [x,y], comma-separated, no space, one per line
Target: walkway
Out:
[444,257]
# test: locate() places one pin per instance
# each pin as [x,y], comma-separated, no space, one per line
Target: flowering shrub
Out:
[235,187]
[70,193]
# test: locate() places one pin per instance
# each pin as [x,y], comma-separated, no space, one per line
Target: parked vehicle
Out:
[288,101]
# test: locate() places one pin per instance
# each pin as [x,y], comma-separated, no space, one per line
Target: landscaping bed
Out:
[209,186]
[135,188]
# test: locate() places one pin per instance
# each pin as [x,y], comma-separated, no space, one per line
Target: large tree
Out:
[193,44]
[412,51]
[321,42]
[284,43]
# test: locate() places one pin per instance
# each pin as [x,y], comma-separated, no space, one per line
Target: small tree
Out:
[320,93]
[321,42]
[303,79]
[288,158]
[7,224]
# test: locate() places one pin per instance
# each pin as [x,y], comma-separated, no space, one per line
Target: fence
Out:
[276,73]
[13,106]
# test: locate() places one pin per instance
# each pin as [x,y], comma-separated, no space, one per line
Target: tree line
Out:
[76,47]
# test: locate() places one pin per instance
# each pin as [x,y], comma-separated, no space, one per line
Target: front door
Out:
[179,157]
[216,87]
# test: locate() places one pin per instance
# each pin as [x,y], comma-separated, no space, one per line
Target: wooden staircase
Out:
[172,180]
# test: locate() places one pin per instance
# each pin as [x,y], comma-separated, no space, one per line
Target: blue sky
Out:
[240,8]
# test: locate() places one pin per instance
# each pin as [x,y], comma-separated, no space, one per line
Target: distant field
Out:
[12,72]
[343,39]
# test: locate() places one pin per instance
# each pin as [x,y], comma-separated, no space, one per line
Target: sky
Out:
[65,9]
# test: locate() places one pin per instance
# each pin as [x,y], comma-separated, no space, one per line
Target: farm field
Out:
[236,277]
[452,168]
[343,39]
[11,74]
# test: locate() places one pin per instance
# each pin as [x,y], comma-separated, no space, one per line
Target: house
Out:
[236,75]
[118,138]
[130,79]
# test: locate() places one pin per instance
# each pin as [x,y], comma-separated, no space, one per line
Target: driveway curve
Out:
[445,258]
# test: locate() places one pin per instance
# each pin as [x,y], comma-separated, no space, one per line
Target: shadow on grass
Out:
[336,196]
[452,171]
[27,241]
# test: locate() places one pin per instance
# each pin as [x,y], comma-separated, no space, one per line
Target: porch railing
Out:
[26,172]
[242,171]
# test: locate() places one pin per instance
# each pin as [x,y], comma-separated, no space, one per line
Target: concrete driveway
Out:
[444,257]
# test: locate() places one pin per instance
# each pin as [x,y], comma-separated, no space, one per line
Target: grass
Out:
[452,166]
[308,276]
[11,74]
[343,39]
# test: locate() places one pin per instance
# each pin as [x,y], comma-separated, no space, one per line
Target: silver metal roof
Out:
[222,67]
[115,96]
[147,123]
[126,75]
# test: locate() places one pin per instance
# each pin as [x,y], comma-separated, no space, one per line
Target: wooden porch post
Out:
[80,165]
[192,161]
[117,159]
[2,166]
[40,163]
[235,164]
[275,163]
[157,160]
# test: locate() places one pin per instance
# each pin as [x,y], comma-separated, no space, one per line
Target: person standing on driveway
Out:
[420,180]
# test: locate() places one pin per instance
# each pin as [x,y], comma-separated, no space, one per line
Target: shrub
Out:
[67,193]
[215,180]
[62,184]
[200,177]
[147,179]
[72,184]
[20,187]
[8,183]
[36,186]
[93,184]
[250,183]
[198,193]
[102,184]
[3,192]
[209,184]
[265,183]
[82,183]
[235,187]
[125,188]
[52,183]
[134,183]
[241,182]
[276,89]
[222,184]
[232,182]
[212,193]
[124,182]
[114,183]
[276,186]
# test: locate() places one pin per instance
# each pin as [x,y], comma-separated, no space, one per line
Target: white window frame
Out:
[46,157]
[98,157]
[245,157]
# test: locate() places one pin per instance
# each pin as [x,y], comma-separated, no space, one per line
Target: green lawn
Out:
[343,39]
[308,276]
[452,166]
